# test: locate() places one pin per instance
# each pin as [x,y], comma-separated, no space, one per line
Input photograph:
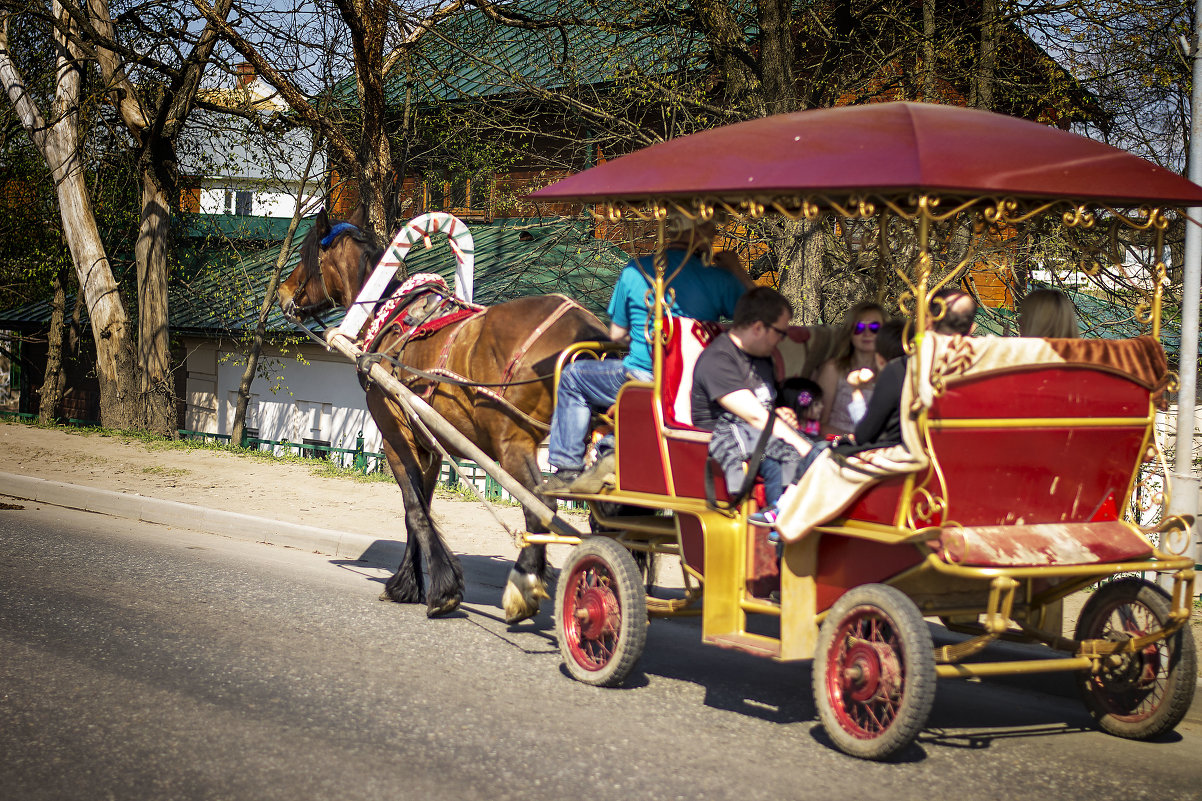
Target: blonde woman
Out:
[848,379]
[1047,313]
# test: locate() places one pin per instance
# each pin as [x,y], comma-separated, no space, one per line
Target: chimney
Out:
[246,73]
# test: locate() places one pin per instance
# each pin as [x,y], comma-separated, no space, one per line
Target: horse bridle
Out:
[312,309]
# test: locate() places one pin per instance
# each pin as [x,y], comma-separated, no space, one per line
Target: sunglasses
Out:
[862,327]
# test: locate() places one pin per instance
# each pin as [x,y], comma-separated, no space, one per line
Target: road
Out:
[146,662]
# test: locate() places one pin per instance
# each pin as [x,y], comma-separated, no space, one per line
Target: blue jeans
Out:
[585,387]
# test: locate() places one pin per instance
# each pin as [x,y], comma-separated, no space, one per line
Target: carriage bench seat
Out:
[1033,447]
[677,466]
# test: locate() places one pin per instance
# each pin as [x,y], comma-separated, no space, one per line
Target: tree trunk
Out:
[155,390]
[987,56]
[801,264]
[776,55]
[110,326]
[269,300]
[928,51]
[53,380]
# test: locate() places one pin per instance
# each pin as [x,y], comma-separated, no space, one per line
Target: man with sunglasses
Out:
[734,391]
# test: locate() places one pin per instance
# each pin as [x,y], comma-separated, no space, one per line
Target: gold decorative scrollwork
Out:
[1078,217]
[924,507]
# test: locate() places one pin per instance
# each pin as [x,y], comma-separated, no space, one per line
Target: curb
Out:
[340,544]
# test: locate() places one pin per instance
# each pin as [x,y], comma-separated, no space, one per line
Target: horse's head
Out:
[334,260]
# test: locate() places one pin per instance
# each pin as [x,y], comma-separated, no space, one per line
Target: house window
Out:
[466,196]
[239,201]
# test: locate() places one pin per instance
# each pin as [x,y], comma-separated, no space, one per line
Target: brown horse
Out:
[501,346]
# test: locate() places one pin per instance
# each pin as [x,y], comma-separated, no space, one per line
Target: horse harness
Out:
[424,305]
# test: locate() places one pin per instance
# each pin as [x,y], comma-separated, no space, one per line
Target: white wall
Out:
[321,400]
[265,203]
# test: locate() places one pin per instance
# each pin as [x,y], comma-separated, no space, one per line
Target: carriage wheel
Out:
[874,672]
[600,612]
[1144,694]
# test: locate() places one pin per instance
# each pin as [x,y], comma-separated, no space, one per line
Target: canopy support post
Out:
[1184,498]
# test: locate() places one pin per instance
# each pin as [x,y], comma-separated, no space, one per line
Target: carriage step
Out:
[755,644]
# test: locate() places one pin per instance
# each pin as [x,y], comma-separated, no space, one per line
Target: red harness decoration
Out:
[390,313]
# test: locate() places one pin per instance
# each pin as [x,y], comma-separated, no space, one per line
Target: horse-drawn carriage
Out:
[1020,459]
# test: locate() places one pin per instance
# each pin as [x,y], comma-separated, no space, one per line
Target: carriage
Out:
[1022,456]
[1026,453]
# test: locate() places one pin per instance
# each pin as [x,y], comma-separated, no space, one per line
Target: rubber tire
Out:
[604,568]
[1176,662]
[904,631]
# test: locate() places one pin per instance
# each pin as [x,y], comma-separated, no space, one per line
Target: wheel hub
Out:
[870,670]
[594,608]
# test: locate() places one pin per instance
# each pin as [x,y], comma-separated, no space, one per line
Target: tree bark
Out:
[777,56]
[987,56]
[155,389]
[801,263]
[928,51]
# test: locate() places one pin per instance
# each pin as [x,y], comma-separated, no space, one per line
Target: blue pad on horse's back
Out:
[340,228]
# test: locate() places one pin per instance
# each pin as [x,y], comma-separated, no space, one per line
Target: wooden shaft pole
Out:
[414,405]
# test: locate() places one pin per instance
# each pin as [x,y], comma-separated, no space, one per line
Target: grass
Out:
[159,470]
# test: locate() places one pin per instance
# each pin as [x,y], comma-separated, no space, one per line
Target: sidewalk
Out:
[266,500]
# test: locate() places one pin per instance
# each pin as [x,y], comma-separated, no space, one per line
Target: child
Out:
[804,397]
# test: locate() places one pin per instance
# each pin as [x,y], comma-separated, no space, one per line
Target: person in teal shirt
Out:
[695,290]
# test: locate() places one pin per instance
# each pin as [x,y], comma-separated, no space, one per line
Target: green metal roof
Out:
[514,258]
[469,56]
[1098,318]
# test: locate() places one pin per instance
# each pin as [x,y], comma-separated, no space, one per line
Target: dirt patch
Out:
[273,488]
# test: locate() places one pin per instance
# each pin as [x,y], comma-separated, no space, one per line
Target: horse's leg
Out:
[405,585]
[416,472]
[445,592]
[526,586]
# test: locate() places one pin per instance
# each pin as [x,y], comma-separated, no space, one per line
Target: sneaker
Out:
[764,517]
[560,480]
[594,479]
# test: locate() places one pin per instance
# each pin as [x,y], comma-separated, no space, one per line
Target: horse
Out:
[498,366]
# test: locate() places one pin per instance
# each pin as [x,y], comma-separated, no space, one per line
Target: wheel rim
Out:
[592,614]
[865,675]
[1130,687]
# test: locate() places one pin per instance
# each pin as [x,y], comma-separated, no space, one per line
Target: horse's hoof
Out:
[523,592]
[445,608]
[401,596]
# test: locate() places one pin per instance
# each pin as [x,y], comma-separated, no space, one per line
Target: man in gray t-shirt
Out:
[734,389]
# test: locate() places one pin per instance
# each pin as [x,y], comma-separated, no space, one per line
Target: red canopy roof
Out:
[884,147]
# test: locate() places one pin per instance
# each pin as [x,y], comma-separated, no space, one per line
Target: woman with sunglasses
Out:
[847,380]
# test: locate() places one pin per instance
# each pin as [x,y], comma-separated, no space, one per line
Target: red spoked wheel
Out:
[1145,693]
[600,612]
[874,672]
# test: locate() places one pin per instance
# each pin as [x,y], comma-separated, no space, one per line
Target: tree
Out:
[58,141]
[134,373]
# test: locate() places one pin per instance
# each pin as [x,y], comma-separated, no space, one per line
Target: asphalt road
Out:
[145,662]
